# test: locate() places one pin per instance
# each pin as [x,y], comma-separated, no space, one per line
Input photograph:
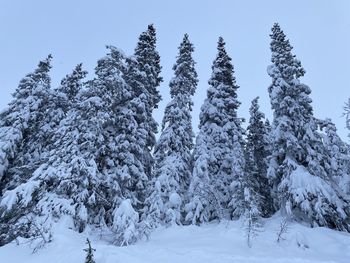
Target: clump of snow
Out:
[175,200]
[22,193]
[302,185]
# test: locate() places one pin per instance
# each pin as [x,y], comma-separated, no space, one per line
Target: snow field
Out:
[215,243]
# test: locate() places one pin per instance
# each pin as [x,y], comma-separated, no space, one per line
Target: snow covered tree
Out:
[256,149]
[149,61]
[257,201]
[337,150]
[62,185]
[131,138]
[58,103]
[218,153]
[268,138]
[121,138]
[71,173]
[35,149]
[72,84]
[126,222]
[337,155]
[251,216]
[145,78]
[347,114]
[302,187]
[19,122]
[172,154]
[76,179]
[119,159]
[63,99]
[251,197]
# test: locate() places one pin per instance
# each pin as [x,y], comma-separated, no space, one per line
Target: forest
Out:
[87,150]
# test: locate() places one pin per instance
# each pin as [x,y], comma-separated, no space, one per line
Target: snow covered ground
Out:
[214,243]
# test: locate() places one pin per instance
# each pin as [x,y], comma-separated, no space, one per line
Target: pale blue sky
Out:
[76,31]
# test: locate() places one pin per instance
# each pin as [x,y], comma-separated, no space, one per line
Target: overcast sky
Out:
[77,31]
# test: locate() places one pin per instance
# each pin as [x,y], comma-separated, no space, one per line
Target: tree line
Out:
[86,151]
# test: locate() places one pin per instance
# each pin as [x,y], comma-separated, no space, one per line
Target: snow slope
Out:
[214,243]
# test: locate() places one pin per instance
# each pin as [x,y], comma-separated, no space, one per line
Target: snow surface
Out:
[214,243]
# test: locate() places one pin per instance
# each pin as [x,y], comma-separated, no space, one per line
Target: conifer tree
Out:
[89,253]
[218,153]
[252,214]
[146,78]
[72,84]
[257,201]
[131,139]
[62,184]
[82,165]
[20,121]
[69,182]
[172,170]
[268,137]
[126,224]
[337,155]
[256,161]
[66,170]
[119,158]
[347,114]
[302,187]
[95,163]
[59,102]
[70,173]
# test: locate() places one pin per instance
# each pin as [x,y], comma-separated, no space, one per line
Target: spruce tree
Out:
[268,137]
[63,184]
[95,163]
[70,170]
[119,158]
[72,84]
[252,214]
[347,114]
[121,137]
[251,197]
[70,181]
[337,155]
[146,79]
[172,154]
[218,153]
[131,140]
[302,187]
[98,147]
[126,224]
[59,102]
[81,166]
[89,253]
[256,149]
[257,201]
[19,122]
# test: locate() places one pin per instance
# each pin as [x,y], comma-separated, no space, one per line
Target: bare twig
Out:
[283,230]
